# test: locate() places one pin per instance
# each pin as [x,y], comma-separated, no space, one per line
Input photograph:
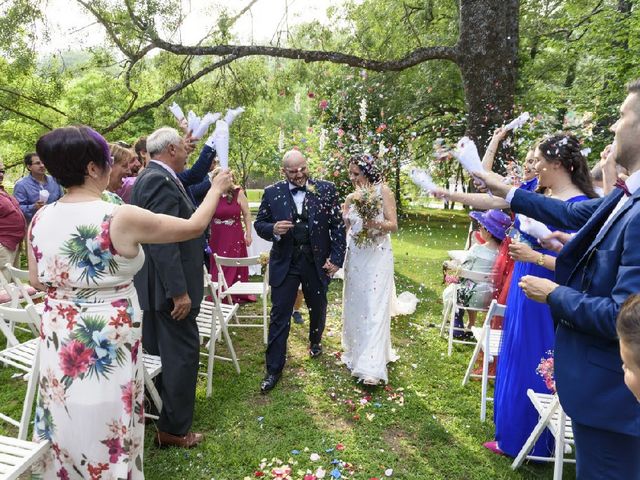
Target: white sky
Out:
[71,28]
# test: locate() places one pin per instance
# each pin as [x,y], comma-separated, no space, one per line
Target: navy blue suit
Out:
[597,270]
[288,270]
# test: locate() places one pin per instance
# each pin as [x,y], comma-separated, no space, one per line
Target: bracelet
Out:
[540,260]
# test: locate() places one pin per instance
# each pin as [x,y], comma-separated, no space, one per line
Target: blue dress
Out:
[528,334]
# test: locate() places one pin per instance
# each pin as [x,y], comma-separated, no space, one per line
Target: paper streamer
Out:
[422,179]
[177,111]
[518,122]
[221,140]
[537,229]
[208,120]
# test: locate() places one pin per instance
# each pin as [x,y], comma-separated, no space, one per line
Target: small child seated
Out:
[480,258]
[628,327]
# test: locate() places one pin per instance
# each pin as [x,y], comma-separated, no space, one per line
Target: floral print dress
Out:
[91,388]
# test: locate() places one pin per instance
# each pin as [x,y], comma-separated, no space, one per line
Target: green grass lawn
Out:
[424,425]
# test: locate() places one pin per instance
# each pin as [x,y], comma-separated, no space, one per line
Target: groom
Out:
[302,218]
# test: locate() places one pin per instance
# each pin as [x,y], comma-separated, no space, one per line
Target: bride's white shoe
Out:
[370,381]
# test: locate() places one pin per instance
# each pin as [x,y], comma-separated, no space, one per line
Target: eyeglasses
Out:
[123,144]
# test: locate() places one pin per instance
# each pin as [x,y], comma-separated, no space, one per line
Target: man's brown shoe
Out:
[191,439]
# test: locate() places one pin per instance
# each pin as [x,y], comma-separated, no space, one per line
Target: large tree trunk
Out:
[487,56]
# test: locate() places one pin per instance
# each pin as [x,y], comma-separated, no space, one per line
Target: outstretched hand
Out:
[491,182]
[556,240]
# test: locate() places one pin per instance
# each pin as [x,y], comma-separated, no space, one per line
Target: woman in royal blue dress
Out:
[529,332]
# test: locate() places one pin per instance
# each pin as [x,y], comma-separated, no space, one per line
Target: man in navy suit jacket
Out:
[302,218]
[595,273]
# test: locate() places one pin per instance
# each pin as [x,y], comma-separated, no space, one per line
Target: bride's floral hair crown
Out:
[367,165]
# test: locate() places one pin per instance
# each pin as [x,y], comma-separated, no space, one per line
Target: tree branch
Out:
[168,94]
[413,58]
[28,117]
[33,100]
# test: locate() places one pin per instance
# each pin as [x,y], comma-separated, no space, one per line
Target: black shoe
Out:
[297,318]
[315,350]
[269,382]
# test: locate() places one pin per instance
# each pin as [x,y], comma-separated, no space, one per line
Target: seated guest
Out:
[628,328]
[480,258]
[228,238]
[12,227]
[37,188]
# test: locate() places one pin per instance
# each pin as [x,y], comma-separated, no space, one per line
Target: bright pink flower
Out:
[309,476]
[62,474]
[127,396]
[115,449]
[323,104]
[75,358]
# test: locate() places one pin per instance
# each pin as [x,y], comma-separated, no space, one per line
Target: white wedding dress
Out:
[368,303]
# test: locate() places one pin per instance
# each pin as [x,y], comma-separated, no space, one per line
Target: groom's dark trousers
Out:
[302,271]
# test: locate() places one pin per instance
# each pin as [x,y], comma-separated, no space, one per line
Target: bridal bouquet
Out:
[367,203]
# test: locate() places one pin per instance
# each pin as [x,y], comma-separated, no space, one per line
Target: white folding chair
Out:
[152,367]
[451,307]
[19,355]
[244,288]
[488,341]
[213,321]
[559,424]
[17,455]
[26,293]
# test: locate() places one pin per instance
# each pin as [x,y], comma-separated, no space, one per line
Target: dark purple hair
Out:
[366,164]
[67,151]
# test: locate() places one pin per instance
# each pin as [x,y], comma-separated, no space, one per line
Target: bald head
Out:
[294,167]
[292,158]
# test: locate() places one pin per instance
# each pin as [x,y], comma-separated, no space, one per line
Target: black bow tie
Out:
[295,190]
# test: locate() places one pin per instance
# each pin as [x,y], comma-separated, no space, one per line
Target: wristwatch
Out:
[540,260]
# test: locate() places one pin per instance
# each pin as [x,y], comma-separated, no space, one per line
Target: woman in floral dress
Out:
[84,252]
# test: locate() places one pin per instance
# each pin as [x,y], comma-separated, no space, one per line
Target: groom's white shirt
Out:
[298,197]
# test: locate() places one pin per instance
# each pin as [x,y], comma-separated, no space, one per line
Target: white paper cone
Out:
[536,229]
[422,179]
[208,120]
[467,154]
[518,122]
[177,111]
[231,114]
[221,139]
[193,121]
[43,196]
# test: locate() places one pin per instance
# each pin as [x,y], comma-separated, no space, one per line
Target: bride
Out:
[369,289]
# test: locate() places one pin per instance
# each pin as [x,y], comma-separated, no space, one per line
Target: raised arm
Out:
[480,201]
[390,222]
[490,154]
[132,225]
[199,170]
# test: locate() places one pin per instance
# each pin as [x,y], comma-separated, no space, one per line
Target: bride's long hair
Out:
[366,164]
